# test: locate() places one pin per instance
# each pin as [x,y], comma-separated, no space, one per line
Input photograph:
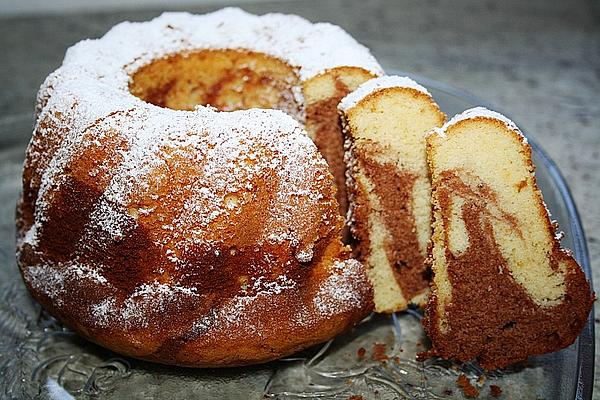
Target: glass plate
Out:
[41,359]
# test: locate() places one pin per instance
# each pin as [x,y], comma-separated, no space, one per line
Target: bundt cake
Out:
[503,288]
[186,234]
[385,122]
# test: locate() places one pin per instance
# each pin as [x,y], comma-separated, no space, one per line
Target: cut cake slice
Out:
[503,288]
[385,122]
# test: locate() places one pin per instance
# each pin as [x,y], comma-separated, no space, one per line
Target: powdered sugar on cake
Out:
[312,48]
[50,280]
[86,106]
[479,112]
[377,84]
[337,293]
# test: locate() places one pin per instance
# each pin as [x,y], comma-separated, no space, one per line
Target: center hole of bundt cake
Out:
[226,79]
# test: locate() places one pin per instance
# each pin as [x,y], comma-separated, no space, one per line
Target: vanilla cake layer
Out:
[385,121]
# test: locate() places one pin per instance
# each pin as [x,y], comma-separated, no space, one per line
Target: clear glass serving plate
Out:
[41,359]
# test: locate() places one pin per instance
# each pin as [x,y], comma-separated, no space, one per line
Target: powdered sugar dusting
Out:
[133,312]
[337,294]
[239,311]
[479,112]
[46,280]
[50,280]
[376,84]
[102,312]
[91,88]
[109,218]
[154,296]
[312,48]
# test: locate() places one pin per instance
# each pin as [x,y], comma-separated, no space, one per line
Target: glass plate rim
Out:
[586,343]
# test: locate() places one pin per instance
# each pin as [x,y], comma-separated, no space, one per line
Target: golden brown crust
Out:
[273,326]
[282,323]
[155,288]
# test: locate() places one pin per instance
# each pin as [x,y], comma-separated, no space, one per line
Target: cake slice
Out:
[385,122]
[503,288]
[322,94]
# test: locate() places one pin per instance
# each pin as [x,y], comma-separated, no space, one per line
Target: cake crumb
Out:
[379,352]
[468,389]
[481,380]
[361,352]
[495,390]
[424,355]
